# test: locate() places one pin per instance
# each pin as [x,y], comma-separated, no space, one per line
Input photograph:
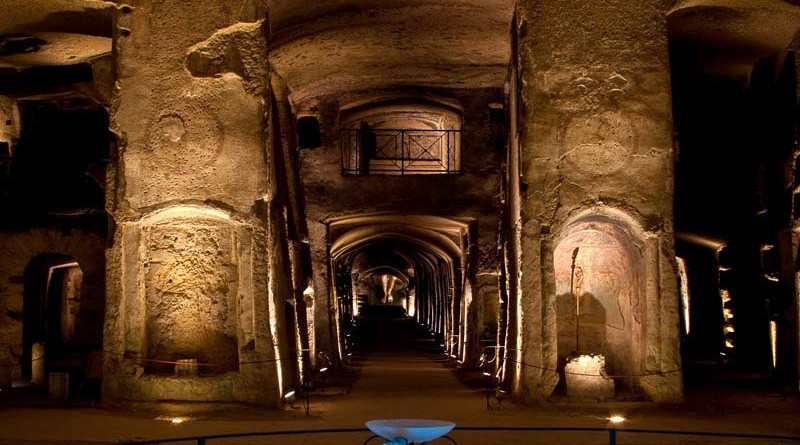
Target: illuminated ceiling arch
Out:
[357,239]
[743,32]
[626,226]
[186,211]
[387,270]
[447,237]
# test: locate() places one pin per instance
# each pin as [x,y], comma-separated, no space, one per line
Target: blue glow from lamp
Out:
[409,431]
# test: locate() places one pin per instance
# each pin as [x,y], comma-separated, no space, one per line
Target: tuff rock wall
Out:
[196,267]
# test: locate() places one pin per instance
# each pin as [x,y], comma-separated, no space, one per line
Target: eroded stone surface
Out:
[91,17]
[59,49]
[191,288]
[600,144]
[237,49]
[335,46]
[198,280]
[218,155]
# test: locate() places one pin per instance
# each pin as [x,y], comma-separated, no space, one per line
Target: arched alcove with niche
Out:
[190,282]
[599,265]
[53,328]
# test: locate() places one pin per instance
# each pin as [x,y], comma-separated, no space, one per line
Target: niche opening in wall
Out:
[308,132]
[599,274]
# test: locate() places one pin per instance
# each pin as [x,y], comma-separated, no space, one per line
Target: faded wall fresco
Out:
[604,292]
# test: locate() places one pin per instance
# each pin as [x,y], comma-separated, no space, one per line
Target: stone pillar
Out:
[483,330]
[596,144]
[38,364]
[325,309]
[10,300]
[191,270]
[795,240]
[8,129]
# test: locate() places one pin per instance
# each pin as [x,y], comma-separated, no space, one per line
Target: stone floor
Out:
[410,384]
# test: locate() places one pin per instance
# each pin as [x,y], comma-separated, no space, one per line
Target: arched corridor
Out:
[397,273]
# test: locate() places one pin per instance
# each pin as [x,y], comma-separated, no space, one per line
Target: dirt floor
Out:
[406,384]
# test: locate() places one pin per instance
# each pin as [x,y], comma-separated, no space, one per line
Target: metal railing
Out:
[608,435]
[400,152]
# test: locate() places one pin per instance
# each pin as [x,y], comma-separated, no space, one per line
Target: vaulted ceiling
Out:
[324,47]
[331,46]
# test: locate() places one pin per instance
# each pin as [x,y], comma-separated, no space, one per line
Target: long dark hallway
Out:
[403,371]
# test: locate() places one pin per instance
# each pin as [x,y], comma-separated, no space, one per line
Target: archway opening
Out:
[599,279]
[60,328]
[406,267]
[735,107]
[379,284]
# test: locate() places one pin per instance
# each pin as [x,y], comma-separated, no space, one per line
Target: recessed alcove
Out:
[52,304]
[599,281]
[190,279]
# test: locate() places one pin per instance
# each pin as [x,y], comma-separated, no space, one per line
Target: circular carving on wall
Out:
[184,141]
[600,144]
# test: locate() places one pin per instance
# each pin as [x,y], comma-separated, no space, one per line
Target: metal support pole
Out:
[306,376]
[612,437]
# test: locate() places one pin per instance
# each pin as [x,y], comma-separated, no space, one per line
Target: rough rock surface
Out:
[595,138]
[192,273]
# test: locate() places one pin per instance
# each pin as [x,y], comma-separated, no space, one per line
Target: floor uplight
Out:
[616,419]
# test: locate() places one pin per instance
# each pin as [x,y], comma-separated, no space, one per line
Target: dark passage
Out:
[403,370]
[387,328]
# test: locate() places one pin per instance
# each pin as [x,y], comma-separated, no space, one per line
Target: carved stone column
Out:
[597,176]
[191,269]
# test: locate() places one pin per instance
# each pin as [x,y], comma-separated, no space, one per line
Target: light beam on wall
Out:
[273,327]
[308,298]
[685,302]
[773,341]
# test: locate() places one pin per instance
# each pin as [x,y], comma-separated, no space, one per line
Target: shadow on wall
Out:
[590,334]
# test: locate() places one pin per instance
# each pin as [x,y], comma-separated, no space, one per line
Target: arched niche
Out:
[54,334]
[190,276]
[407,113]
[28,257]
[599,266]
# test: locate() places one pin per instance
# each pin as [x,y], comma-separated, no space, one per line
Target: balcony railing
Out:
[400,152]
